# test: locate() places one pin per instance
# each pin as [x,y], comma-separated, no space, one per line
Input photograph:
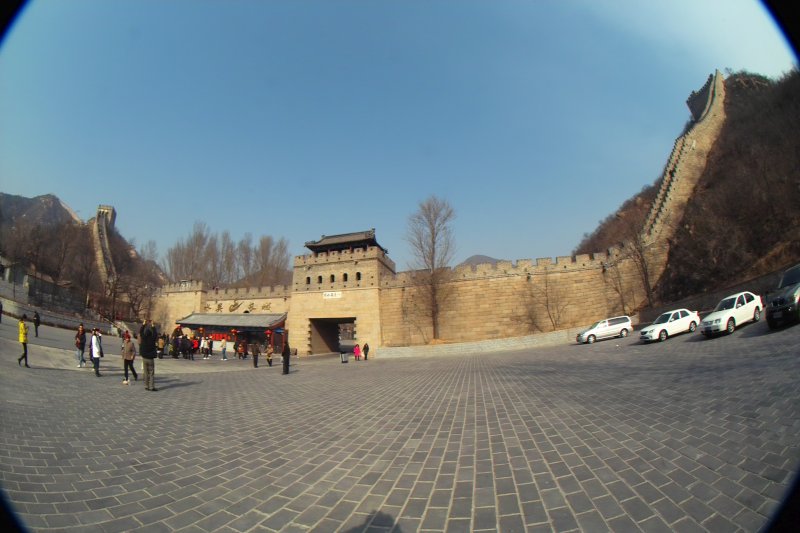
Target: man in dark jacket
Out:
[36,321]
[147,347]
[286,353]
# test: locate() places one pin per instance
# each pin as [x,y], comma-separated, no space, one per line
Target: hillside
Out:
[46,210]
[742,220]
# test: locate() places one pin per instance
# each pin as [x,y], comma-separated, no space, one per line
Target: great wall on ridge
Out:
[487,301]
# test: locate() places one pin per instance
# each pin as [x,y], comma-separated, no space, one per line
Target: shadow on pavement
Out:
[376,519]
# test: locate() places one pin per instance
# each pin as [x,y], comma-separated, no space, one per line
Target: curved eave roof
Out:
[344,241]
[240,321]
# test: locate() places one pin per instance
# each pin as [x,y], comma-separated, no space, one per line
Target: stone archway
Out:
[325,335]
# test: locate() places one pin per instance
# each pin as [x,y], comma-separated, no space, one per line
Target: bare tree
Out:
[546,299]
[185,259]
[271,261]
[229,266]
[638,248]
[432,246]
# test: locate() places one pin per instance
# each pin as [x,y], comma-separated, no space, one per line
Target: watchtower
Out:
[336,289]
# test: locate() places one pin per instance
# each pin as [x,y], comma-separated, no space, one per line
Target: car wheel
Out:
[757,315]
[692,327]
[731,326]
[590,340]
[623,333]
[662,336]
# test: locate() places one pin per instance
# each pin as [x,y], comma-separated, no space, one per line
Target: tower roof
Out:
[345,241]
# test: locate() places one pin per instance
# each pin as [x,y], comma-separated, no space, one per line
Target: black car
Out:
[783,304]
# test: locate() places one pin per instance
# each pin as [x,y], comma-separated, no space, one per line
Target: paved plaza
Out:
[687,435]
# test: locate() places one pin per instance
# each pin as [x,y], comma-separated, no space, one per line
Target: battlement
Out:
[357,254]
[277,291]
[108,213]
[186,285]
[699,101]
[518,268]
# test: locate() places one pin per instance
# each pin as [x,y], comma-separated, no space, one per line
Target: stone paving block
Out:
[600,445]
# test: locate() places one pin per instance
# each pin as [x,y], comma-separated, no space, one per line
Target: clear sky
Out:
[298,118]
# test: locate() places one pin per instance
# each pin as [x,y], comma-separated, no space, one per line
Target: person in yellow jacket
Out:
[23,339]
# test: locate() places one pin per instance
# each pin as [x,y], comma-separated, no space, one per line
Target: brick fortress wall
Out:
[507,299]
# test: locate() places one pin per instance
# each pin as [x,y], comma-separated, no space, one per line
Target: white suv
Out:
[618,326]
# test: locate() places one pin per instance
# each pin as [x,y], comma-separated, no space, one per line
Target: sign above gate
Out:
[330,295]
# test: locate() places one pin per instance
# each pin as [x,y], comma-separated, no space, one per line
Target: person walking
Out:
[270,351]
[204,347]
[357,352]
[365,349]
[80,346]
[1,311]
[96,350]
[286,353]
[256,349]
[36,321]
[224,343]
[128,355]
[23,339]
[147,347]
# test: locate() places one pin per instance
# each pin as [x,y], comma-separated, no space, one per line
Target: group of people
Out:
[151,345]
[147,349]
[357,351]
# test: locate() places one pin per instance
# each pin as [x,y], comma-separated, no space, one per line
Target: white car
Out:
[670,323]
[732,311]
[618,326]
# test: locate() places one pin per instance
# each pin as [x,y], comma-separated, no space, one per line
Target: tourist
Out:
[204,347]
[96,350]
[36,321]
[270,351]
[80,345]
[256,349]
[128,355]
[365,349]
[357,352]
[224,344]
[147,347]
[286,353]
[23,339]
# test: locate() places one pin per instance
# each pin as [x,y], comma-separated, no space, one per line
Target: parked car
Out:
[618,326]
[732,311]
[784,305]
[671,323]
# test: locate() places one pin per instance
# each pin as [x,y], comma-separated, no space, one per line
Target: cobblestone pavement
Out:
[686,435]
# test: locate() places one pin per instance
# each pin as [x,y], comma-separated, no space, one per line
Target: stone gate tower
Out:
[338,283]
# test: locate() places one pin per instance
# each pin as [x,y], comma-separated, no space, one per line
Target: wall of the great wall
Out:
[485,301]
[514,299]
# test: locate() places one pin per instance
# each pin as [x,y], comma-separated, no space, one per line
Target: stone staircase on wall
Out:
[686,165]
[105,265]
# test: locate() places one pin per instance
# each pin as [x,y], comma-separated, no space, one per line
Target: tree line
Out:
[219,261]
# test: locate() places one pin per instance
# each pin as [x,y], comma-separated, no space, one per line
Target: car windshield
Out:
[727,303]
[663,319]
[790,277]
[594,325]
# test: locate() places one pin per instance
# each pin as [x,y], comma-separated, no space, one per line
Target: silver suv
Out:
[618,326]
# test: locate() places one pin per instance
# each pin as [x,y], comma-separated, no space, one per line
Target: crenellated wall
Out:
[488,301]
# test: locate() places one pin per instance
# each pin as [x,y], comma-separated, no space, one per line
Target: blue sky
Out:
[299,118]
